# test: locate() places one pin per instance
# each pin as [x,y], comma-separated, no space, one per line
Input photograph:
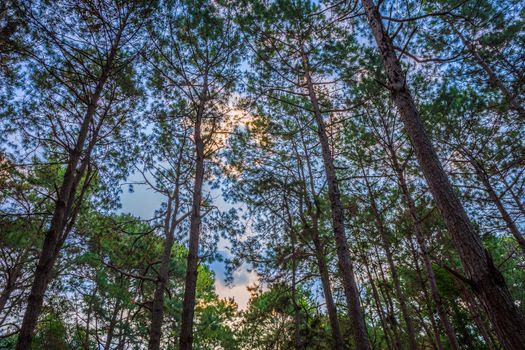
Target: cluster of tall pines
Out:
[364,159]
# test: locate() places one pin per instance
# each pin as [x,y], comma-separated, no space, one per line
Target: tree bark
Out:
[314,211]
[170,224]
[423,247]
[494,80]
[188,306]
[66,195]
[385,239]
[345,263]
[157,307]
[486,280]
[383,288]
[111,328]
[296,307]
[377,301]
[493,196]
[339,343]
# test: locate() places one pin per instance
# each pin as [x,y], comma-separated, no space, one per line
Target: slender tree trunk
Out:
[297,310]
[384,289]
[513,194]
[188,306]
[473,309]
[339,343]
[377,301]
[157,308]
[314,211]
[170,224]
[428,302]
[484,179]
[66,195]
[111,328]
[386,240]
[51,245]
[494,80]
[486,279]
[425,255]
[345,263]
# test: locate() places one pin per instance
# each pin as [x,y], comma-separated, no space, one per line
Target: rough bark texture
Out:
[345,263]
[188,306]
[486,280]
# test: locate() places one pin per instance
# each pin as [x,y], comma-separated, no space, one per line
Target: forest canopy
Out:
[363,162]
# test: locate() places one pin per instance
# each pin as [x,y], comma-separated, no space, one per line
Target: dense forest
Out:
[363,159]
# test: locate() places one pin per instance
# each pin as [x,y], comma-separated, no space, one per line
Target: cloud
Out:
[241,280]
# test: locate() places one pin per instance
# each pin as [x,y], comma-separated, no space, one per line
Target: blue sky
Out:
[143,202]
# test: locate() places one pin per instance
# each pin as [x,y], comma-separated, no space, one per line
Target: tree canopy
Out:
[363,161]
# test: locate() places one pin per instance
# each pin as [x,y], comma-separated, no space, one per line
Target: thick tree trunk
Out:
[355,311]
[188,306]
[486,279]
[386,241]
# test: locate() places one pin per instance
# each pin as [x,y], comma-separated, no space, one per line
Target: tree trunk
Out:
[66,195]
[473,309]
[383,288]
[355,311]
[339,343]
[188,306]
[386,240]
[485,180]
[296,307]
[52,244]
[418,230]
[494,80]
[314,211]
[487,281]
[170,224]
[111,328]
[157,307]
[377,301]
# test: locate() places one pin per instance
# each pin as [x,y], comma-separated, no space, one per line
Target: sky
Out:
[143,202]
